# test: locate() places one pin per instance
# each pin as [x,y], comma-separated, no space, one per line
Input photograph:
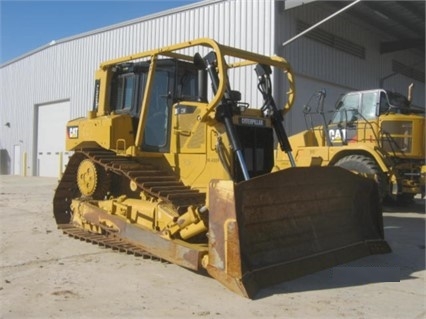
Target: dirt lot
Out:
[45,274]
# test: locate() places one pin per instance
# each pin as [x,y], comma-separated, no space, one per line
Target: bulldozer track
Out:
[107,241]
[153,180]
[148,178]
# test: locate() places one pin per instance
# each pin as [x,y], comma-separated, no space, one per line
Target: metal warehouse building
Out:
[373,44]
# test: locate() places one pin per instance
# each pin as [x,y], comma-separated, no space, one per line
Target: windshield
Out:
[347,108]
[357,106]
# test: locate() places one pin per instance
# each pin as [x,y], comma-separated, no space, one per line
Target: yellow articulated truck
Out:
[172,163]
[375,133]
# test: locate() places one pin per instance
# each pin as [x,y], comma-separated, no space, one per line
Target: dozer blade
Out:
[287,224]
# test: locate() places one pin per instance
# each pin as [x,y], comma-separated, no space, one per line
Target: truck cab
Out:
[358,113]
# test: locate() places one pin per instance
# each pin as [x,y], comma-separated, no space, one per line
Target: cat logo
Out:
[337,135]
[72,131]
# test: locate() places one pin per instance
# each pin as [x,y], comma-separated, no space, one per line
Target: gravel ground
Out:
[45,274]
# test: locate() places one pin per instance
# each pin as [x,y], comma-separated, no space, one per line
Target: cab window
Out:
[157,122]
[123,92]
[173,82]
[347,109]
[384,103]
[369,105]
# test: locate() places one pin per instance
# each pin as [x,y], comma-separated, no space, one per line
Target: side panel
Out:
[113,132]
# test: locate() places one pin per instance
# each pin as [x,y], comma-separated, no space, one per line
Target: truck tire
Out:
[364,165]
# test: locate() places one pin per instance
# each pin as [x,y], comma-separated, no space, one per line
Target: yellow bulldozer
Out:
[174,164]
[375,133]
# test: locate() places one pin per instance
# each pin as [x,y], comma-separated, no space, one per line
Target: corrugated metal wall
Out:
[65,70]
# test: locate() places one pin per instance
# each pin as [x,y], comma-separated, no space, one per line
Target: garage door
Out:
[51,154]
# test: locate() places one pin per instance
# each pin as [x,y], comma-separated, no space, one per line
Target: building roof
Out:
[402,21]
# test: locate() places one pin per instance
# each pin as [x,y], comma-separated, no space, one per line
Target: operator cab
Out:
[368,105]
[356,105]
[363,107]
[174,81]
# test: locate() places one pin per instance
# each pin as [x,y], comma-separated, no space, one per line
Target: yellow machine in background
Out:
[162,166]
[375,133]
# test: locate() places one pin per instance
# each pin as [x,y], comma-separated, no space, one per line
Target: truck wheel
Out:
[367,167]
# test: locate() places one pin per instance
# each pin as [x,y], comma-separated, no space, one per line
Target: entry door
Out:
[52,120]
[17,159]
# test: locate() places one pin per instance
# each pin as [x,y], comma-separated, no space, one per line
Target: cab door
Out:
[343,126]
[355,119]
